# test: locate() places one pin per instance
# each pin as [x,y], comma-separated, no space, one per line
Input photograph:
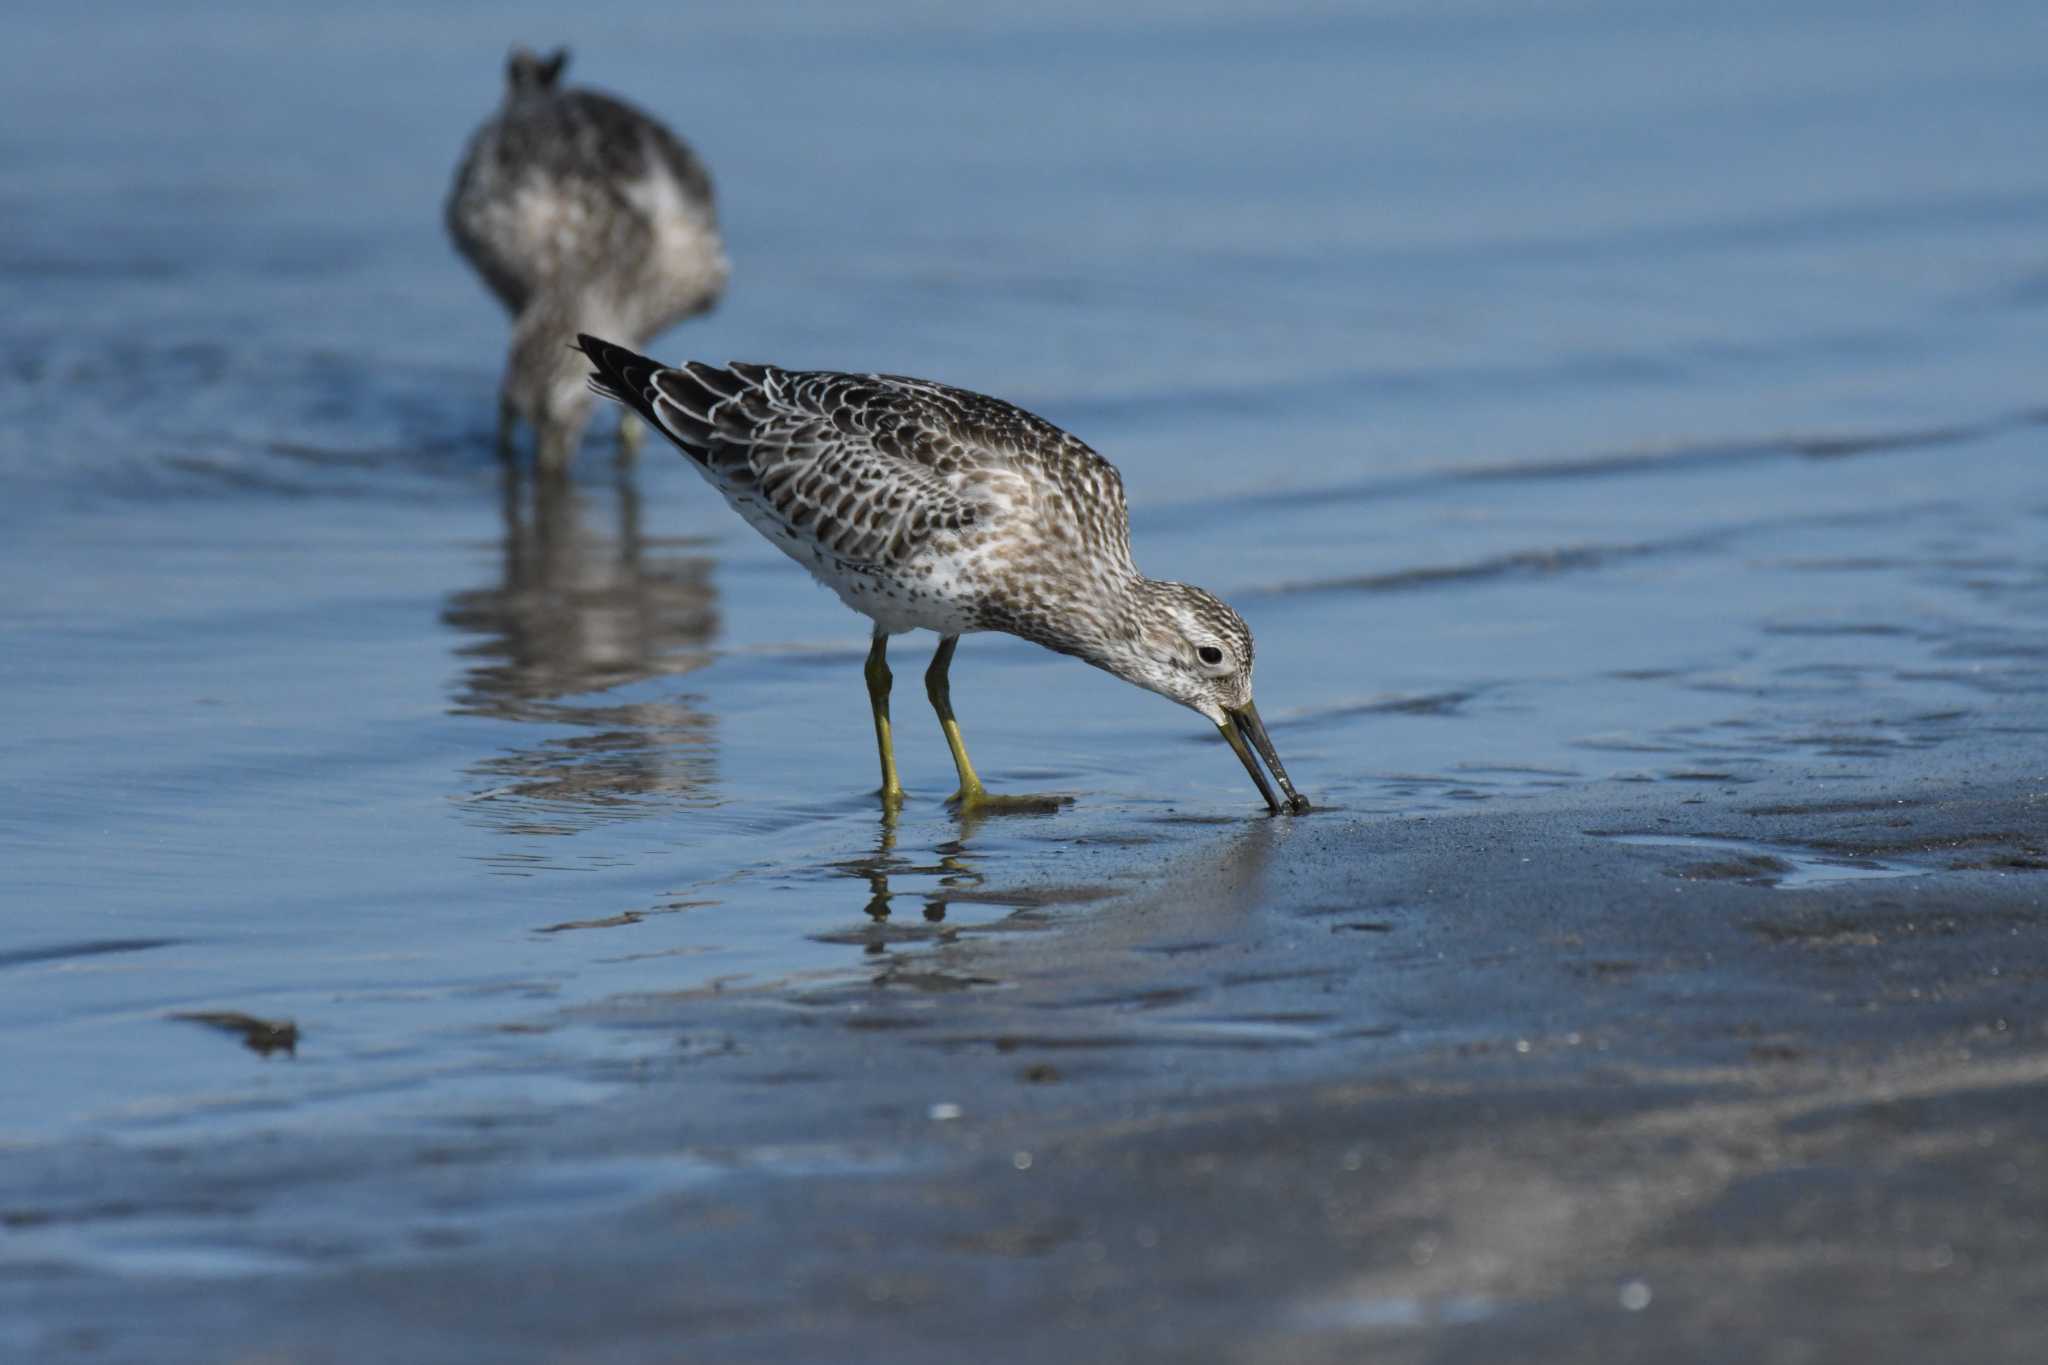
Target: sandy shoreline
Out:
[1472,1087]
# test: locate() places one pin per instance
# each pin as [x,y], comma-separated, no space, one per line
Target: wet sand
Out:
[1473,1087]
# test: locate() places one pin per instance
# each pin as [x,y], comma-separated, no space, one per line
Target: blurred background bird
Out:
[581,213]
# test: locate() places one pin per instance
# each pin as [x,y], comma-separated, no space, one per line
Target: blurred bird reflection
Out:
[940,881]
[578,615]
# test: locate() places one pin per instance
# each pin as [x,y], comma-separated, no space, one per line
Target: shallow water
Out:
[1569,395]
[1762,864]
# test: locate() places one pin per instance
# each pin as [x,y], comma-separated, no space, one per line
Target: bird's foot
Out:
[978,800]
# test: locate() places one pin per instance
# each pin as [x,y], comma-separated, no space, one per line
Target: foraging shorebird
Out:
[580,212]
[928,507]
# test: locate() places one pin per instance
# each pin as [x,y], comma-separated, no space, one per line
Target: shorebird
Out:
[929,507]
[580,212]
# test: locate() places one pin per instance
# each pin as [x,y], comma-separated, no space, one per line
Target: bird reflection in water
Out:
[950,870]
[576,614]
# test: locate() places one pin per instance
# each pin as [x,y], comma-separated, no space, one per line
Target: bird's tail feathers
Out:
[702,408]
[621,375]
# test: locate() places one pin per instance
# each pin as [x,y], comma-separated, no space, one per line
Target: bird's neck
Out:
[542,357]
[557,314]
[1104,618]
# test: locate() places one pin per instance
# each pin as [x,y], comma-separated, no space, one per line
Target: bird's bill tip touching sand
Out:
[1242,725]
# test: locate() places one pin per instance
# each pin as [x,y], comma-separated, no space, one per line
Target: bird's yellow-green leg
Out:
[939,688]
[972,796]
[878,697]
[632,432]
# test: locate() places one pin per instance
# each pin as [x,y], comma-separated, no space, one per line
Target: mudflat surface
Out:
[1475,1087]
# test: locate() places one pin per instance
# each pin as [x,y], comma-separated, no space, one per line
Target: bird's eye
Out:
[1209,654]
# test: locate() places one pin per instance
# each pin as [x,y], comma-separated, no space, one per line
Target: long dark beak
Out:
[1244,724]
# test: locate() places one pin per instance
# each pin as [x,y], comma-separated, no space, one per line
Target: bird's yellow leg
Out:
[972,796]
[878,697]
[938,686]
[632,433]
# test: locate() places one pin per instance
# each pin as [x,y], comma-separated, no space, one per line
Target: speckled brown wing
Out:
[869,467]
[1061,497]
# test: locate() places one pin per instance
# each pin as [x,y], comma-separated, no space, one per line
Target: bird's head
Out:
[1191,647]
